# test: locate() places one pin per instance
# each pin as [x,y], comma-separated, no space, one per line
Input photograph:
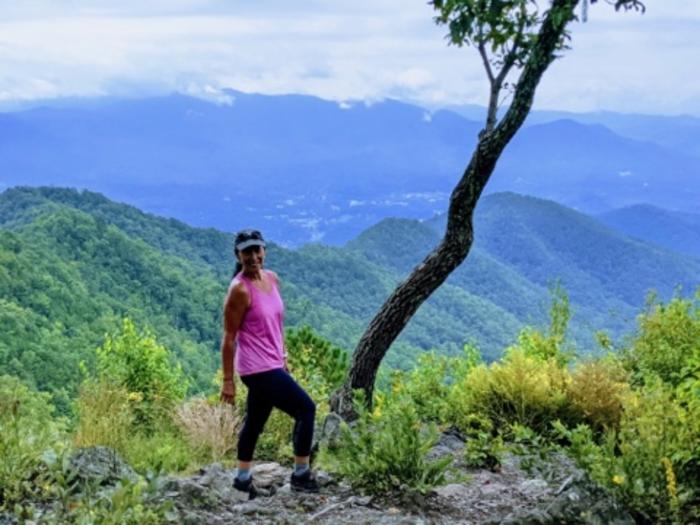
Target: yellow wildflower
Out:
[618,480]
[671,486]
[135,396]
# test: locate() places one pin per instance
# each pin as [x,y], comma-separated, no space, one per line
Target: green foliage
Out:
[651,462]
[667,340]
[310,354]
[497,26]
[144,368]
[385,448]
[553,344]
[130,405]
[484,449]
[69,500]
[426,385]
[27,432]
[597,392]
[106,413]
[519,389]
[164,451]
[532,447]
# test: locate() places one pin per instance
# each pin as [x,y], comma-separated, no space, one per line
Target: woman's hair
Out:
[239,266]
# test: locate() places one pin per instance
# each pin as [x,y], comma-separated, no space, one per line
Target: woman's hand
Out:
[228,392]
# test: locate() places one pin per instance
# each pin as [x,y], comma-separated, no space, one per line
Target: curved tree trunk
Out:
[454,247]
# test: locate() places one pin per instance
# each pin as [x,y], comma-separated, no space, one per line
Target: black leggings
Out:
[276,389]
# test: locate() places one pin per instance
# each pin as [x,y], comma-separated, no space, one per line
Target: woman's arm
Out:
[236,303]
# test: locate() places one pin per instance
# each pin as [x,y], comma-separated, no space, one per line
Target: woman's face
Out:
[252,258]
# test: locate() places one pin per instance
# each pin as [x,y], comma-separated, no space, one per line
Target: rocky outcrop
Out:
[523,491]
[550,491]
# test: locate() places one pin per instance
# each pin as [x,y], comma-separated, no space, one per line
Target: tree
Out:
[511,36]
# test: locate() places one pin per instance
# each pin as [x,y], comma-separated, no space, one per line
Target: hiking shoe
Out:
[305,482]
[246,486]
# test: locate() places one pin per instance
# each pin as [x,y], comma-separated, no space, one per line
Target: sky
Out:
[334,49]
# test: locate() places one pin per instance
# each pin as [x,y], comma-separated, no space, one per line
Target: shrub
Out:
[138,363]
[130,502]
[668,337]
[165,450]
[310,354]
[483,449]
[596,393]
[386,449]
[651,462]
[551,345]
[210,428]
[520,389]
[427,386]
[27,432]
[105,414]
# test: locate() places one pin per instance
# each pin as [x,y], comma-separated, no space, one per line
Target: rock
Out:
[449,443]
[581,502]
[534,488]
[324,479]
[270,474]
[7,519]
[453,491]
[330,430]
[100,465]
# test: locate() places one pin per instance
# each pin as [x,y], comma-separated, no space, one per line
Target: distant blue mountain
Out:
[680,133]
[673,230]
[306,169]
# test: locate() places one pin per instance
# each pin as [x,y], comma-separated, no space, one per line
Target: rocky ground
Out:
[551,491]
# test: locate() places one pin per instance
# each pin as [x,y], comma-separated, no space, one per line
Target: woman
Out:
[253,341]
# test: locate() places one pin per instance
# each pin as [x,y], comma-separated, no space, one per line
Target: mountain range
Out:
[308,170]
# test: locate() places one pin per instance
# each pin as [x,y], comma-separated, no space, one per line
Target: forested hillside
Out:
[75,263]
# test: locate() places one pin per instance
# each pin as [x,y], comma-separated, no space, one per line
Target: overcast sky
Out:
[335,49]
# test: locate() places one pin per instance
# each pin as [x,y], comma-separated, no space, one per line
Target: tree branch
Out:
[485,60]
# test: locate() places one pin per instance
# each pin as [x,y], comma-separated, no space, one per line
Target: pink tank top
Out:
[260,337]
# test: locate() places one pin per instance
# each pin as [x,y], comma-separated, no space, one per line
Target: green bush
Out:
[484,448]
[27,432]
[144,368]
[309,354]
[651,463]
[105,413]
[668,337]
[427,386]
[519,389]
[385,449]
[596,393]
[76,502]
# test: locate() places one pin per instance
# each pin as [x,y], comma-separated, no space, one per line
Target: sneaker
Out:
[305,482]
[246,486]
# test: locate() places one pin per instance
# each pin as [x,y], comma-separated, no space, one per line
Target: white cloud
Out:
[339,50]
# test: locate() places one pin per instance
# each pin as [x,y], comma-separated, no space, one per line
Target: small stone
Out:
[363,501]
[323,478]
[100,464]
[534,487]
[268,474]
[453,491]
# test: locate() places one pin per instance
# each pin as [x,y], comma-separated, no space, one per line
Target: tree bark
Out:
[456,243]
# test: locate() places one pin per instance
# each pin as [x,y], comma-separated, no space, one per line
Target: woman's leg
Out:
[258,408]
[284,393]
